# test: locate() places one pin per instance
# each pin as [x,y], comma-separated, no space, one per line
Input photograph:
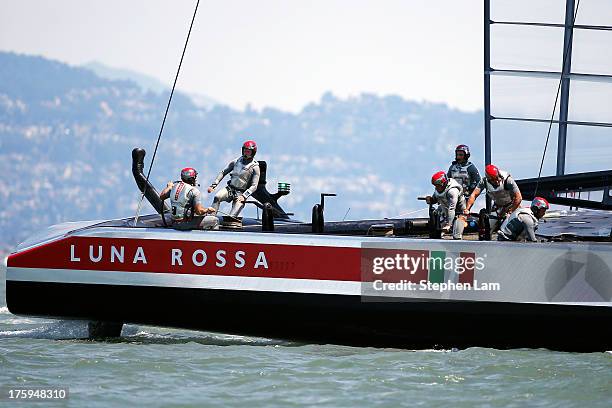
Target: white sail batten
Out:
[526,63]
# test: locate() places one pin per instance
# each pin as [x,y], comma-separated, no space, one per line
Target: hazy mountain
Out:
[66,136]
[145,82]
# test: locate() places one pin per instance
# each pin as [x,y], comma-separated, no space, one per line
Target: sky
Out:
[282,54]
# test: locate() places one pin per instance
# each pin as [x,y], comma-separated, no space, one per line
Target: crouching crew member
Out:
[244,178]
[502,189]
[463,170]
[185,200]
[448,194]
[523,222]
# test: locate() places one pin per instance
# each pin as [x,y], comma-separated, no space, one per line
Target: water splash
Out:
[78,330]
[153,336]
[59,330]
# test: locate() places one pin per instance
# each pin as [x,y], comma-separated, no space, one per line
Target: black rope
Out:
[552,116]
[166,113]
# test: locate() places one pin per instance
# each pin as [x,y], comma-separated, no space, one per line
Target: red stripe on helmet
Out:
[439,178]
[492,171]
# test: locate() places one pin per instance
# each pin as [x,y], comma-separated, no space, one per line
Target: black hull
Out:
[316,318]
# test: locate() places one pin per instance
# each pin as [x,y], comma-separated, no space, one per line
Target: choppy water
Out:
[161,367]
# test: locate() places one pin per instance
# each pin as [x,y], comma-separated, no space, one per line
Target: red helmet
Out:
[439,179]
[251,146]
[491,171]
[539,203]
[189,175]
[463,148]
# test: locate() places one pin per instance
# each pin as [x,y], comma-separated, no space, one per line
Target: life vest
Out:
[182,200]
[240,176]
[443,197]
[500,196]
[513,227]
[460,173]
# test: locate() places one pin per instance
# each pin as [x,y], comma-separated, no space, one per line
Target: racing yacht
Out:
[378,282]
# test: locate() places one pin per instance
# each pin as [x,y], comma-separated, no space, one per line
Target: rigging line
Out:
[166,115]
[347,211]
[408,213]
[552,116]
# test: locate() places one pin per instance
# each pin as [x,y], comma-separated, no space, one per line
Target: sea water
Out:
[161,367]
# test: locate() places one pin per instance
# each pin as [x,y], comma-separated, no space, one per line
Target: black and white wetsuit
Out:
[451,202]
[244,178]
[466,174]
[502,196]
[183,199]
[521,224]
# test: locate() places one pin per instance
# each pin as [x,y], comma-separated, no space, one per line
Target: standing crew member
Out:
[185,200]
[244,178]
[448,194]
[463,170]
[523,222]
[502,189]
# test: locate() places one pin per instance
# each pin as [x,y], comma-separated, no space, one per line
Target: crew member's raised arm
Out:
[223,173]
[165,193]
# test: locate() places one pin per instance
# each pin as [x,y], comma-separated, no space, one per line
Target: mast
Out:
[565,85]
[487,80]
[487,87]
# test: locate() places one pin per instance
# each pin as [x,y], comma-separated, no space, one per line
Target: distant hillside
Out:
[66,136]
[145,82]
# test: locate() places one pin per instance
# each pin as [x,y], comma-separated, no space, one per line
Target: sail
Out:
[529,47]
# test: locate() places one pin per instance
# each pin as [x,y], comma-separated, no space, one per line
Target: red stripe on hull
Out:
[394,265]
[260,260]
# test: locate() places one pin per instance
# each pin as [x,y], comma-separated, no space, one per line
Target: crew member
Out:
[502,189]
[185,200]
[244,178]
[463,170]
[448,194]
[523,222]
